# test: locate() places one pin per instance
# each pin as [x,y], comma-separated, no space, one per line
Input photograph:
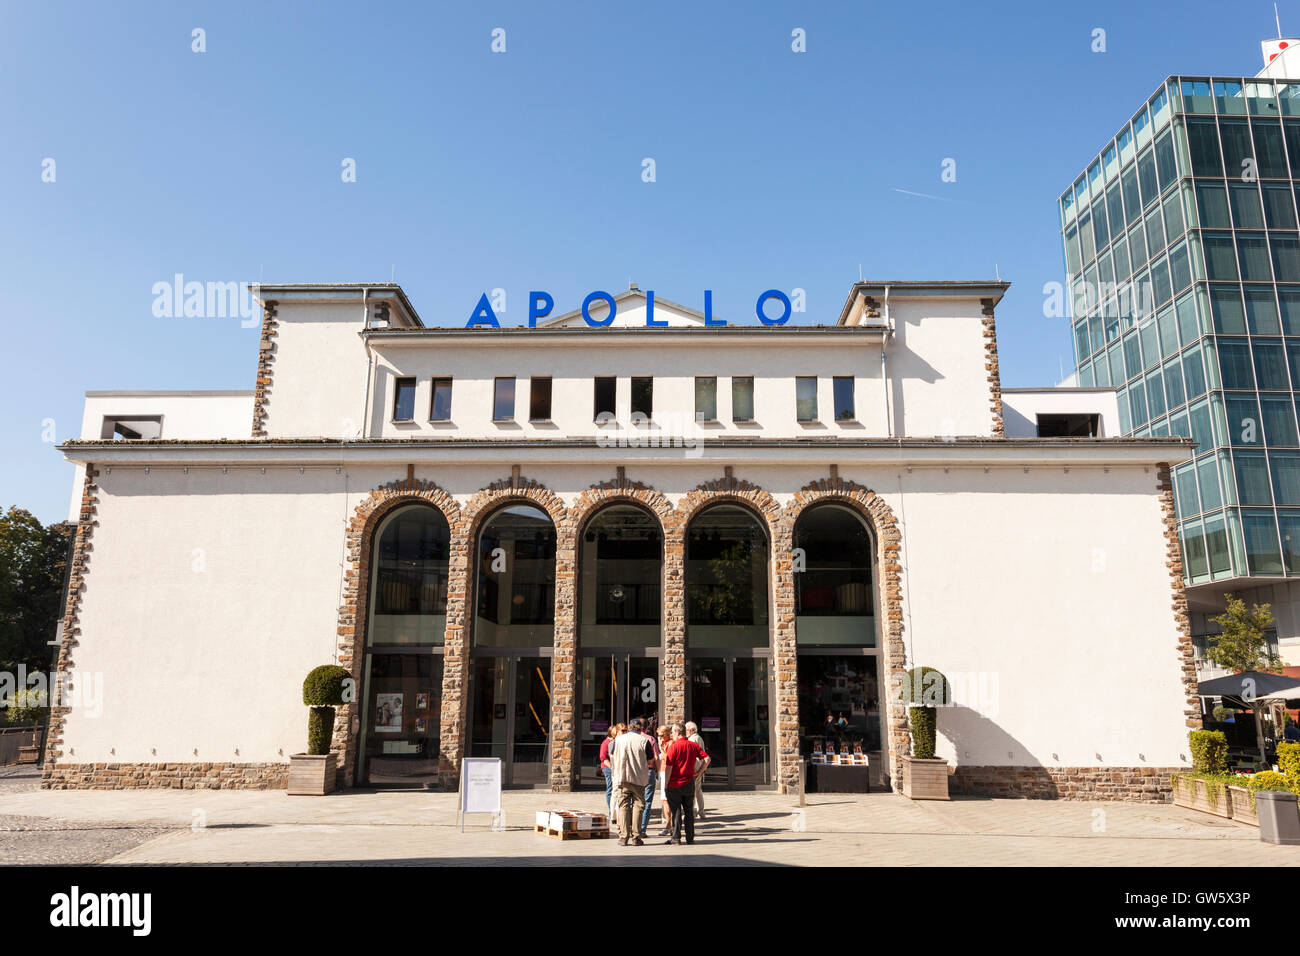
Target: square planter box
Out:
[29,754]
[925,779]
[1192,793]
[1242,811]
[311,775]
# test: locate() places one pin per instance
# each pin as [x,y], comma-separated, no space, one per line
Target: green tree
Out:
[33,562]
[1243,645]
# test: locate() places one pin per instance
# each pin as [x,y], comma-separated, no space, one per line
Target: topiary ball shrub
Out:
[924,689]
[1209,751]
[1288,759]
[323,690]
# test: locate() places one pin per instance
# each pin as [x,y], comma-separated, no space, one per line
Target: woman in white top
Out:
[665,738]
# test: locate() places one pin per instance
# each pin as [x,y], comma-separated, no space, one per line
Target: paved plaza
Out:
[745,829]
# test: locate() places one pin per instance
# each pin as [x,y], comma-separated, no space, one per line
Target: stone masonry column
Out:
[563,664]
[674,680]
[785,653]
[455,666]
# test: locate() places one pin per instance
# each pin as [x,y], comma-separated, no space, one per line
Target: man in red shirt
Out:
[680,757]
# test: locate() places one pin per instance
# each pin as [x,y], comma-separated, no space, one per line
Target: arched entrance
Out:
[513,643]
[402,662]
[840,672]
[620,626]
[729,687]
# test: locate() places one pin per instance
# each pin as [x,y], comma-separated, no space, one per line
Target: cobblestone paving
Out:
[743,829]
[28,839]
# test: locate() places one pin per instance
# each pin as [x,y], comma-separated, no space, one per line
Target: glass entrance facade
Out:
[402,665]
[835,630]
[728,640]
[513,634]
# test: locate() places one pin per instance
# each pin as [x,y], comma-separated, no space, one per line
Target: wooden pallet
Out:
[571,834]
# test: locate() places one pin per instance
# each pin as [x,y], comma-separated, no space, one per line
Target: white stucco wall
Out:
[318,378]
[1022,406]
[211,595]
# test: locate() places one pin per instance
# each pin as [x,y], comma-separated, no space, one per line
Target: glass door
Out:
[729,699]
[400,722]
[615,688]
[511,717]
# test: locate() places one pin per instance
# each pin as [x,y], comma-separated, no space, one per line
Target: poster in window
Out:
[421,725]
[421,701]
[388,713]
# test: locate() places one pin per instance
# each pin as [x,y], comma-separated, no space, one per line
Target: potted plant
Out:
[1275,802]
[925,776]
[313,773]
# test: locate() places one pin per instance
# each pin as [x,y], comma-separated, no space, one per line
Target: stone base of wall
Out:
[175,776]
[1130,784]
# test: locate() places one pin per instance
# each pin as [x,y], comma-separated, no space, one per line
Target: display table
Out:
[833,778]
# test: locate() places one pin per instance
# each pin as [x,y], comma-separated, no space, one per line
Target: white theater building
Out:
[513,537]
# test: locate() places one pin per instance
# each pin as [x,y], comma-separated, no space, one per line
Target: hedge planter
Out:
[925,779]
[1195,794]
[1243,810]
[311,775]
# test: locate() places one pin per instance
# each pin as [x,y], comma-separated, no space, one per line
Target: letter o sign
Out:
[586,309]
[762,300]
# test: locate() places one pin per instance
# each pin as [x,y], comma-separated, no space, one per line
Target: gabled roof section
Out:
[630,309]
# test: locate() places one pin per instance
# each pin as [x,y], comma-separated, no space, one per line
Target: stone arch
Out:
[723,490]
[482,505]
[884,526]
[366,517]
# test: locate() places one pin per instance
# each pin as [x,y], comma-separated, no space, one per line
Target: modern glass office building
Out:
[1183,255]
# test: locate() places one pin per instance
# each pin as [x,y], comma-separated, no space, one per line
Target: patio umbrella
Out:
[1251,688]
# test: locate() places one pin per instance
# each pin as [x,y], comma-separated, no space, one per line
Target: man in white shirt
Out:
[693,735]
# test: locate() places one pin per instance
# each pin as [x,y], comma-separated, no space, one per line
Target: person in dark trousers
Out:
[679,762]
[632,756]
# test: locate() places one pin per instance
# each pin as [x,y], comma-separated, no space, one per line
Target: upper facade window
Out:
[742,398]
[539,398]
[643,397]
[440,410]
[503,400]
[605,393]
[805,396]
[844,408]
[404,400]
[706,398]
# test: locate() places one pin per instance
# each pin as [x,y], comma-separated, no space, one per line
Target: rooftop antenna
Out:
[1278,21]
[392,273]
[996,272]
[859,271]
[1060,364]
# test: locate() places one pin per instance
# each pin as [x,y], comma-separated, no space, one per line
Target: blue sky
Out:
[523,170]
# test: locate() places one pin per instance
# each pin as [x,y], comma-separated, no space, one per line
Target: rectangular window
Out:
[503,400]
[539,398]
[1260,528]
[606,391]
[404,400]
[1252,478]
[1243,421]
[1203,143]
[805,394]
[1278,211]
[1207,474]
[1279,423]
[440,409]
[643,397]
[844,409]
[1246,211]
[1270,364]
[706,398]
[130,428]
[742,398]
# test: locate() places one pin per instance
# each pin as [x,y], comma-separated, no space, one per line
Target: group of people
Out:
[640,770]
